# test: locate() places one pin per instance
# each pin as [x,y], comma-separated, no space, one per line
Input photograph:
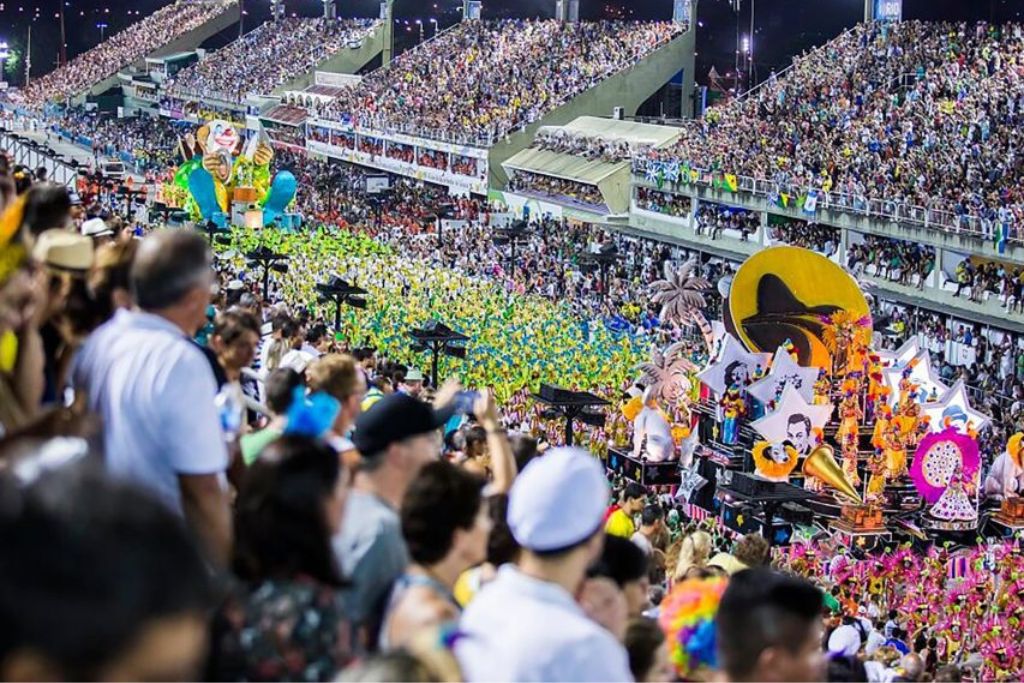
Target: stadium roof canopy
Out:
[613,129]
[169,59]
[565,166]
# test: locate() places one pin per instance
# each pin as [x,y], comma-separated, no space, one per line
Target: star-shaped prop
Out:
[733,365]
[690,482]
[795,420]
[785,371]
[956,406]
[901,356]
[922,374]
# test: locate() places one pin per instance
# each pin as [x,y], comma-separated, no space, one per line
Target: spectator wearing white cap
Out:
[412,384]
[526,625]
[98,230]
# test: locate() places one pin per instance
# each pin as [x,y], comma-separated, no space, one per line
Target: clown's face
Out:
[223,137]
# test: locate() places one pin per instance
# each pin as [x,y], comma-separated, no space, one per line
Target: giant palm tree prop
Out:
[681,296]
[668,374]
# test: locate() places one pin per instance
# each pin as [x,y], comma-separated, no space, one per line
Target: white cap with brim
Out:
[96,227]
[558,501]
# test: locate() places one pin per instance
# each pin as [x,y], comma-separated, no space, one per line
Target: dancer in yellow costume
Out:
[849,414]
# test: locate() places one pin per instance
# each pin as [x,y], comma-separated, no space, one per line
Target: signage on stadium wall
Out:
[379,161]
[526,207]
[336,80]
[423,143]
[889,10]
[681,11]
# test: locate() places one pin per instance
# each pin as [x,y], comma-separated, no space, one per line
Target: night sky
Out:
[783,27]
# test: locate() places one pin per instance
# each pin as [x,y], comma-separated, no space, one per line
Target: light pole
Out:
[4,54]
[63,54]
[750,50]
[339,292]
[102,26]
[419,22]
[434,22]
[268,261]
[438,339]
[277,9]
[514,235]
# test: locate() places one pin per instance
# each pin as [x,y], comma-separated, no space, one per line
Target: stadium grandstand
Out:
[460,369]
[481,80]
[284,49]
[918,122]
[145,37]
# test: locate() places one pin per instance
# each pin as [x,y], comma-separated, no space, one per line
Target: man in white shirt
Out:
[155,390]
[526,625]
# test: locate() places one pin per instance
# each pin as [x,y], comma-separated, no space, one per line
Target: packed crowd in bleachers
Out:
[537,183]
[712,219]
[978,280]
[820,238]
[480,80]
[592,147]
[152,144]
[121,49]
[667,203]
[923,114]
[269,56]
[908,263]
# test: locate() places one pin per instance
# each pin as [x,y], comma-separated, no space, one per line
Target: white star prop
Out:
[957,404]
[737,361]
[689,482]
[901,356]
[776,427]
[922,374]
[786,371]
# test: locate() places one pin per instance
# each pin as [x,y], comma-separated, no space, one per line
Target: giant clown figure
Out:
[217,171]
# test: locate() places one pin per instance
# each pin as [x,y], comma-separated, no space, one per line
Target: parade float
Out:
[225,180]
[802,425]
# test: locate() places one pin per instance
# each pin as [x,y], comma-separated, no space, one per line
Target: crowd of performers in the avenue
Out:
[901,515]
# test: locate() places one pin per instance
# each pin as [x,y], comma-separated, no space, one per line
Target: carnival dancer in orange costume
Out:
[822,388]
[850,454]
[895,452]
[876,478]
[850,415]
[883,415]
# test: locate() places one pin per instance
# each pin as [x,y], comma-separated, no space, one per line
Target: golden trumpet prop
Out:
[822,464]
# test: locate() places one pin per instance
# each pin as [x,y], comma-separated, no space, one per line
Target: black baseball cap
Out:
[395,418]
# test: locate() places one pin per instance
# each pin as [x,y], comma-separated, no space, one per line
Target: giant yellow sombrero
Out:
[785,293]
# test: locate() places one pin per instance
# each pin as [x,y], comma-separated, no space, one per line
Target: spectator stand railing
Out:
[928,217]
[32,154]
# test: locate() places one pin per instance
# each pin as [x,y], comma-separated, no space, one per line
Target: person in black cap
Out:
[396,438]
